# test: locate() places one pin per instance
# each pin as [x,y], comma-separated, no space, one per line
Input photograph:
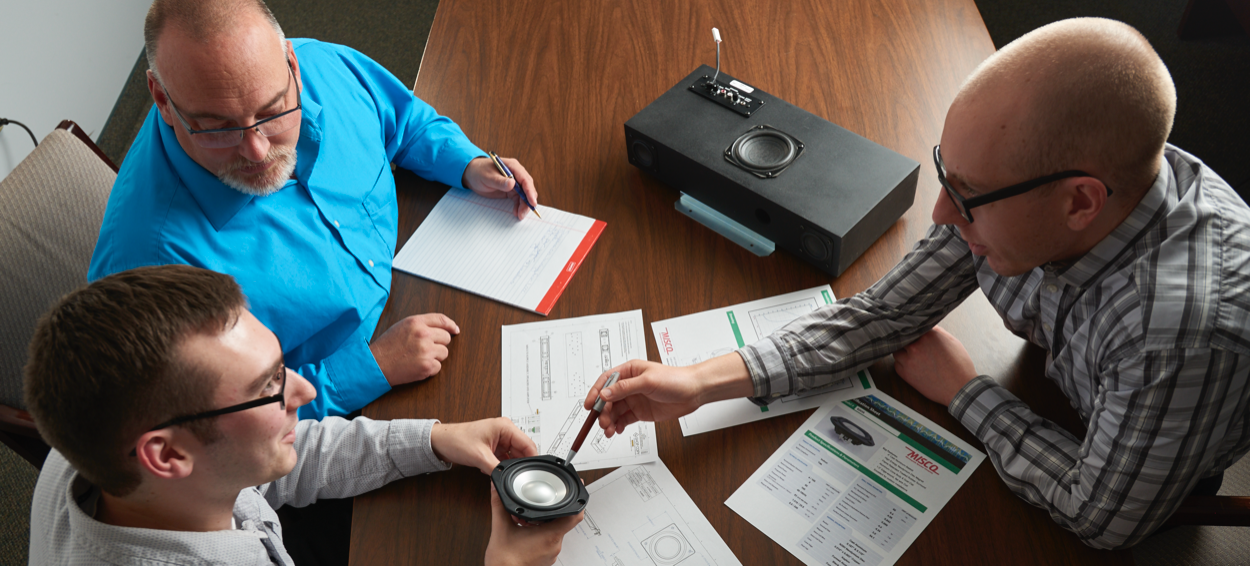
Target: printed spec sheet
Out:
[691,339]
[640,515]
[549,366]
[857,483]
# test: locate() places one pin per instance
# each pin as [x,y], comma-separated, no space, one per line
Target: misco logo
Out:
[923,461]
[668,341]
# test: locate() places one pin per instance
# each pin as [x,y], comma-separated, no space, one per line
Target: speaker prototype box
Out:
[812,187]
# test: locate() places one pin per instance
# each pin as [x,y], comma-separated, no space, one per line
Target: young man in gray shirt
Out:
[172,418]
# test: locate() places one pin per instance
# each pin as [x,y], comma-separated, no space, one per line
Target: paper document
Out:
[857,483]
[694,338]
[640,515]
[477,244]
[549,366]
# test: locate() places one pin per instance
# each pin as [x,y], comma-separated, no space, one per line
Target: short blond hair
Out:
[1097,93]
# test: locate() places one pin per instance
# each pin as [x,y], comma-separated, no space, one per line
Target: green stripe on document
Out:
[855,465]
[863,379]
[828,298]
[733,323]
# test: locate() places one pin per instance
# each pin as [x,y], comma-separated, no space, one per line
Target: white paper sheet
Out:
[477,244]
[857,483]
[694,338]
[640,515]
[549,366]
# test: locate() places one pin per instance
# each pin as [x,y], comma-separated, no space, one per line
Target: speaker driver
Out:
[642,154]
[539,488]
[815,246]
[764,151]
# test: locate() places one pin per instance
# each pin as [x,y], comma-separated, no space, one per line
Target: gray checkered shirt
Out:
[1147,335]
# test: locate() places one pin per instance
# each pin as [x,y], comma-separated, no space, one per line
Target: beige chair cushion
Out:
[51,208]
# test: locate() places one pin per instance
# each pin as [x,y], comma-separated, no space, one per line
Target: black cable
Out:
[5,122]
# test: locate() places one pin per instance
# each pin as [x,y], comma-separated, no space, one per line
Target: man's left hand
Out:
[483,178]
[482,443]
[936,364]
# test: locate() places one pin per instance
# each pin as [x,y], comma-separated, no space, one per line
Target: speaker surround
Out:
[539,488]
[764,151]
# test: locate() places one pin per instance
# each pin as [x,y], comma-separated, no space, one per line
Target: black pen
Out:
[516,185]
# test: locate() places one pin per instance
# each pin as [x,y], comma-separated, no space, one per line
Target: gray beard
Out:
[282,172]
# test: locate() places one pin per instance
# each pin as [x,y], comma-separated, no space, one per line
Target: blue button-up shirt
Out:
[314,258]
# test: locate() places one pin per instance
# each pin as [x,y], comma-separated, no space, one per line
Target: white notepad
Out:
[477,244]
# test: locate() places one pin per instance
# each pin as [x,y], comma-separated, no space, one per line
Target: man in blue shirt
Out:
[269,160]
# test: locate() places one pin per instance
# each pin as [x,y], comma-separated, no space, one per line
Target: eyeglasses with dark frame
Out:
[965,206]
[280,397]
[227,137]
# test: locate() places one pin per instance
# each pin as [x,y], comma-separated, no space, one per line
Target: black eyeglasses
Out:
[230,137]
[965,206]
[280,397]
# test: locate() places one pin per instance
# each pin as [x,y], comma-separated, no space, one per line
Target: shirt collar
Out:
[1157,201]
[219,202]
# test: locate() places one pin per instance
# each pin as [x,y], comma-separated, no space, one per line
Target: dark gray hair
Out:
[203,19]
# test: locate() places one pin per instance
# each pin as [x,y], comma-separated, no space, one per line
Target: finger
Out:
[439,352]
[641,385]
[624,421]
[515,441]
[440,321]
[498,516]
[563,525]
[628,370]
[526,180]
[439,336]
[432,367]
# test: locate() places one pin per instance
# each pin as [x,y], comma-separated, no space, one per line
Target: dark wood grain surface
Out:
[552,82]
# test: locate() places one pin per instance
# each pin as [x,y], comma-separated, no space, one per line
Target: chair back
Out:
[51,207]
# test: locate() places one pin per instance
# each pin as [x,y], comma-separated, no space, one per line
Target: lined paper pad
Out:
[477,244]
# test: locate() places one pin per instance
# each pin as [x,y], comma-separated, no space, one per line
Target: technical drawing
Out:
[544,357]
[605,349]
[668,546]
[600,443]
[575,365]
[769,319]
[568,424]
[638,441]
[590,524]
[531,425]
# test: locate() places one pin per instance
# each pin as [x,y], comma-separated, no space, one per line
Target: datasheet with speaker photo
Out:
[857,483]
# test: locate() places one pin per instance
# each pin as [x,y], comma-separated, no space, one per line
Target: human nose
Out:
[298,391]
[254,146]
[944,211]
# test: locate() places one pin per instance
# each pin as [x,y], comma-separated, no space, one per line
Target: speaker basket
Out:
[513,478]
[764,151]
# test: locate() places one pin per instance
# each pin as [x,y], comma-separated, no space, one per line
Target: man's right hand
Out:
[414,348]
[511,544]
[648,391]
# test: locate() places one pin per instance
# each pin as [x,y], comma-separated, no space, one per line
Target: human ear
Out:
[162,457]
[159,98]
[1087,197]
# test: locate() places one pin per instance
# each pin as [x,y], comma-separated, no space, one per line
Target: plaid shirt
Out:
[1147,335]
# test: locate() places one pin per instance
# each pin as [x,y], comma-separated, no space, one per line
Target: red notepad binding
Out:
[575,262]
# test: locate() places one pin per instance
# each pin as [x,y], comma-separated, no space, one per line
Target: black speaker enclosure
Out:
[508,471]
[836,197]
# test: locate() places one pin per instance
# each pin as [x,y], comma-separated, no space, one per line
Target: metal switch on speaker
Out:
[539,488]
[764,151]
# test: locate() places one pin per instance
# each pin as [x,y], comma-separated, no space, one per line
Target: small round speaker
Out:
[815,246]
[642,153]
[851,431]
[764,151]
[540,488]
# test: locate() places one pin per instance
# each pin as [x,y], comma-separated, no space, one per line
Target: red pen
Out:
[590,419]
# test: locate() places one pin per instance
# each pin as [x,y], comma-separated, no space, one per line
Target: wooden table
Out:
[552,82]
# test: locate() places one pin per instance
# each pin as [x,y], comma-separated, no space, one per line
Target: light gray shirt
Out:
[1148,335]
[337,459]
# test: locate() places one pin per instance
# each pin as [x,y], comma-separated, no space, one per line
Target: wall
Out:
[63,59]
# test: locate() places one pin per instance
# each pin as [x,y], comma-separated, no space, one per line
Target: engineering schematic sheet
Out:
[691,339]
[640,515]
[857,483]
[549,366]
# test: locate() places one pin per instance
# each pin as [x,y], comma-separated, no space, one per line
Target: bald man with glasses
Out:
[270,160]
[1139,294]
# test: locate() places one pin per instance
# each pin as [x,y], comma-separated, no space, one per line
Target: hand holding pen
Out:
[497,177]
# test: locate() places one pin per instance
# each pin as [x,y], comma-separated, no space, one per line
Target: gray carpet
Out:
[17,484]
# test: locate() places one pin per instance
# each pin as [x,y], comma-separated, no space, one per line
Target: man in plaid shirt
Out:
[1124,257]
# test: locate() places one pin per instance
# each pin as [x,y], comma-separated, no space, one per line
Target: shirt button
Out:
[336,224]
[1052,288]
[1046,326]
[370,263]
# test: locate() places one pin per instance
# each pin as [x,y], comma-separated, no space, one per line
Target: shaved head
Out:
[1084,93]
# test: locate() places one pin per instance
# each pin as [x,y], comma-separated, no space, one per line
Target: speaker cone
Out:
[539,488]
[764,151]
[642,153]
